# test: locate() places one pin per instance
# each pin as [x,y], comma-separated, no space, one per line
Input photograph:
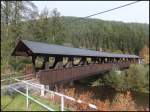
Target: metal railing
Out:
[41,87]
[31,98]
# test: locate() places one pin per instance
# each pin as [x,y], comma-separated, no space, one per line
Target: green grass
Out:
[13,104]
[17,102]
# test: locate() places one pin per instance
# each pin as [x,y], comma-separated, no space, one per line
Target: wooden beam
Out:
[70,62]
[33,63]
[46,62]
[102,59]
[58,62]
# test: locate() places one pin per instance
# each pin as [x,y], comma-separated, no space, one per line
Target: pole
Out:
[62,103]
[27,99]
[42,90]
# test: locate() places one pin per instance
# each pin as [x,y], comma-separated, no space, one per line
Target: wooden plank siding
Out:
[53,76]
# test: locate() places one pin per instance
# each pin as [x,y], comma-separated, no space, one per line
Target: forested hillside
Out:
[22,20]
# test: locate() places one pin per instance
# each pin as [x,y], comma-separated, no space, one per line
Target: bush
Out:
[19,63]
[136,78]
[116,79]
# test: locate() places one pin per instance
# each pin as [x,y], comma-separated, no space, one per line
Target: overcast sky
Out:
[138,12]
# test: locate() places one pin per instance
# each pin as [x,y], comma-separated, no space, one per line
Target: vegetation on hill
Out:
[22,20]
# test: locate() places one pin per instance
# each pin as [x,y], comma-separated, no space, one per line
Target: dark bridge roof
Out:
[28,48]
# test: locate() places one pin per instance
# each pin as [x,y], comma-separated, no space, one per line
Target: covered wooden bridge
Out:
[89,63]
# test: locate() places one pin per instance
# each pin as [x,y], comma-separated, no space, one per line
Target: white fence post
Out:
[27,90]
[42,90]
[62,103]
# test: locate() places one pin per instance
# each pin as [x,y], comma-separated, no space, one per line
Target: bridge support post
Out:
[46,64]
[117,60]
[108,60]
[129,60]
[33,63]
[114,60]
[99,60]
[59,62]
[103,60]
[70,62]
[83,61]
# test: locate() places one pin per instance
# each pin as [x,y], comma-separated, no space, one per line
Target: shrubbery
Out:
[116,80]
[18,64]
[136,78]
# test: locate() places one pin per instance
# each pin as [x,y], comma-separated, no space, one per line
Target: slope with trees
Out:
[22,20]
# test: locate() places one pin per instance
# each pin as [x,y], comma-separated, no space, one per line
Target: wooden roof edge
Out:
[18,44]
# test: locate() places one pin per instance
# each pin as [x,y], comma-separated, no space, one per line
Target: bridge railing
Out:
[74,73]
